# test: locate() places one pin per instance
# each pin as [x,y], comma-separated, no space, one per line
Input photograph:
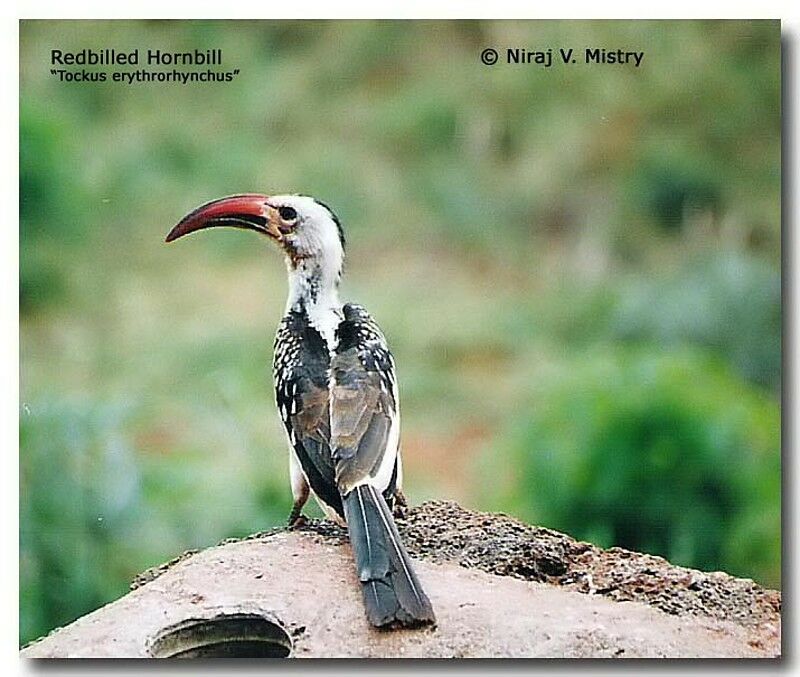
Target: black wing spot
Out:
[301,363]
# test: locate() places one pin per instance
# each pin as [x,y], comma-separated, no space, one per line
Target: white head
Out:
[309,229]
[306,230]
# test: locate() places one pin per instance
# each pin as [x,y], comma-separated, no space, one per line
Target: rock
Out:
[500,588]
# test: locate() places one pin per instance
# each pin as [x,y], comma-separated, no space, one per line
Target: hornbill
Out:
[336,391]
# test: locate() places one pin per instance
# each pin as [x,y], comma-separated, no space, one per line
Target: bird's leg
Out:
[296,518]
[400,504]
[300,492]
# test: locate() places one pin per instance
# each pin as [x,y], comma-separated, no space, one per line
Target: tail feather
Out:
[393,595]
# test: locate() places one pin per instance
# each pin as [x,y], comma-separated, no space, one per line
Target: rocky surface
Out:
[500,588]
[498,544]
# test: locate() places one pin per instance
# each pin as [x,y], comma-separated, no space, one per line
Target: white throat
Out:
[314,288]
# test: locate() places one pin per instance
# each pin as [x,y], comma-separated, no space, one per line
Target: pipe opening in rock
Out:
[224,636]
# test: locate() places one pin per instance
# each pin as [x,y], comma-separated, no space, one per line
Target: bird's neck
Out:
[314,291]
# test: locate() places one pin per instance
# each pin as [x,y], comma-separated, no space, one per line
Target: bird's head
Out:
[304,228]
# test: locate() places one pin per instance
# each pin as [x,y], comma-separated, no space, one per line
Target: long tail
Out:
[393,595]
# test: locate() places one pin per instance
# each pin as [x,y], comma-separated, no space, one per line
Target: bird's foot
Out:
[296,518]
[400,507]
[297,522]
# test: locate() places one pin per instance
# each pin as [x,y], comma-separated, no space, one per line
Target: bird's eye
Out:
[287,213]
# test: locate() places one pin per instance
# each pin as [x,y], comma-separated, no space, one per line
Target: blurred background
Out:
[578,270]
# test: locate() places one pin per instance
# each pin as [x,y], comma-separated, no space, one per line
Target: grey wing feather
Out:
[362,405]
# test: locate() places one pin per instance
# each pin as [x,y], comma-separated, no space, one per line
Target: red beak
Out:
[248,211]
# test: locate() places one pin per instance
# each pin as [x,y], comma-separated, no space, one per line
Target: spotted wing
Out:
[364,421]
[301,370]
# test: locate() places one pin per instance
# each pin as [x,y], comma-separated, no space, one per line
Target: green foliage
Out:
[666,453]
[105,493]
[727,303]
[731,304]
[79,490]
[49,204]
[668,191]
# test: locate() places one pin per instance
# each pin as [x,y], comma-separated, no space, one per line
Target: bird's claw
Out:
[400,506]
[297,521]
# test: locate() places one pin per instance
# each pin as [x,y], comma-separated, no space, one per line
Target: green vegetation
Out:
[578,270]
[664,454]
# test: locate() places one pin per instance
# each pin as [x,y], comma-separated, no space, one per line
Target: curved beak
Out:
[249,211]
